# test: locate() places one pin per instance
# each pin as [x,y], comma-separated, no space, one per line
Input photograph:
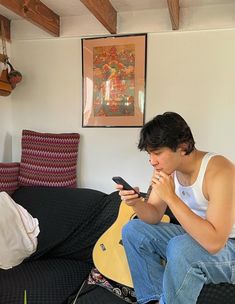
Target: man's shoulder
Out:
[221,165]
[218,161]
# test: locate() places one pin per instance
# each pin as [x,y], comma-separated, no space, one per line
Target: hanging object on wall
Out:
[5,86]
[9,76]
[14,76]
[3,54]
[3,57]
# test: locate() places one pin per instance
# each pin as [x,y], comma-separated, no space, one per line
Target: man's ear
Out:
[183,148]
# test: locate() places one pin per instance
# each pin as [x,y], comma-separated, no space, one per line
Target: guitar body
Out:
[109,255]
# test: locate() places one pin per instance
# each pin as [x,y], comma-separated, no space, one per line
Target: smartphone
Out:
[119,180]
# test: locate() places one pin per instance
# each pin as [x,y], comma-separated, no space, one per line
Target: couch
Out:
[71,220]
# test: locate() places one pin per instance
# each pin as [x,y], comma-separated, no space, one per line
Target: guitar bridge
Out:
[102,247]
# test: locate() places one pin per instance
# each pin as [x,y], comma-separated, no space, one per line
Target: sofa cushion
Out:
[49,159]
[46,281]
[9,173]
[70,219]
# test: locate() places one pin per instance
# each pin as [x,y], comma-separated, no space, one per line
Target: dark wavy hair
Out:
[166,130]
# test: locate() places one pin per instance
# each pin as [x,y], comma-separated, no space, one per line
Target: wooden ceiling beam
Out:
[7,27]
[36,12]
[104,12]
[174,10]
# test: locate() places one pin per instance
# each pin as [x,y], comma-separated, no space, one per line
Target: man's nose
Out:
[153,160]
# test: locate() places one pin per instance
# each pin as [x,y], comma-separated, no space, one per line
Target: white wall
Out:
[191,72]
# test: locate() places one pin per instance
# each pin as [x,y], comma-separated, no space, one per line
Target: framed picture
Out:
[114,73]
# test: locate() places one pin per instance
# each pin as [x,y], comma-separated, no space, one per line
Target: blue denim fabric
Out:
[189,266]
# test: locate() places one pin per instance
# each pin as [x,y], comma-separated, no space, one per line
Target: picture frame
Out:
[114,81]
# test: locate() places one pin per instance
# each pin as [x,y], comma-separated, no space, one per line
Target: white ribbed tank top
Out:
[192,195]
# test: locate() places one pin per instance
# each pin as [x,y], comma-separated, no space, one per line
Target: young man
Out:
[198,187]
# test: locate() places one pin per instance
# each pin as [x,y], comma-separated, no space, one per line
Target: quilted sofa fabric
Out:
[49,159]
[9,173]
[46,281]
[71,220]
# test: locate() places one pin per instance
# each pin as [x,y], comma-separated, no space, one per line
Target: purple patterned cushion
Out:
[9,173]
[49,159]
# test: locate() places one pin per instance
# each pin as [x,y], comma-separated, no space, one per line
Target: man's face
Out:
[164,159]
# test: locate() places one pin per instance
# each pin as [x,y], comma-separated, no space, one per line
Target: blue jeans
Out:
[189,266]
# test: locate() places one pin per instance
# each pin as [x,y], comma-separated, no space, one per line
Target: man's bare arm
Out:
[212,232]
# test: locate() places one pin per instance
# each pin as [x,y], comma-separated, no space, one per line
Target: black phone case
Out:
[119,180]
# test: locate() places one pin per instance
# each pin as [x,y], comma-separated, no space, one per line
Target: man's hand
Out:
[163,185]
[129,196]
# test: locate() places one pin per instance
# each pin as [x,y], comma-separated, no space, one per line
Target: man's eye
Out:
[157,153]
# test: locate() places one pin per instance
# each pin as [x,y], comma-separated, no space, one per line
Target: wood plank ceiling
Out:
[42,16]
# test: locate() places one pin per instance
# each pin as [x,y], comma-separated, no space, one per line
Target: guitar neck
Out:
[148,194]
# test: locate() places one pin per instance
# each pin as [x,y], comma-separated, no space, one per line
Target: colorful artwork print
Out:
[114,73]
[114,80]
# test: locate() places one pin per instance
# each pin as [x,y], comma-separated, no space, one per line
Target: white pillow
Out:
[18,232]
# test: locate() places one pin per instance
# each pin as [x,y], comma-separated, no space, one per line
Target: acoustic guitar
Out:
[109,255]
